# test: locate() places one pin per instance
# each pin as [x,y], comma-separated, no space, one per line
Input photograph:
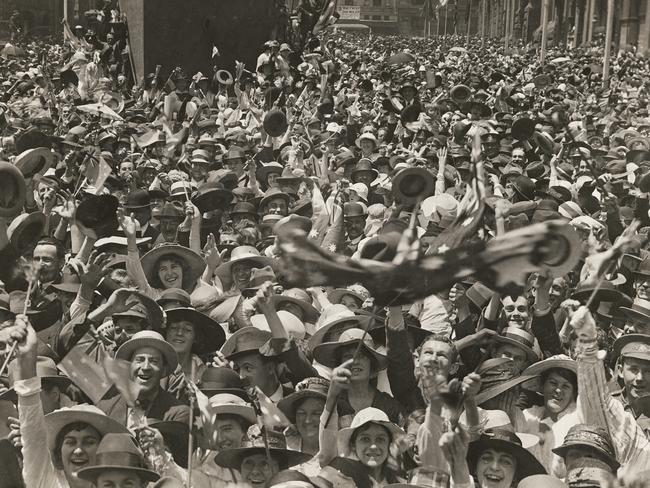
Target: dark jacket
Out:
[164,407]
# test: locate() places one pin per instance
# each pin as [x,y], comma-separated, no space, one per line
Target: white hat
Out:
[361,190]
[292,324]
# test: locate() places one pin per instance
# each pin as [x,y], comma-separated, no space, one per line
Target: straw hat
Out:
[149,338]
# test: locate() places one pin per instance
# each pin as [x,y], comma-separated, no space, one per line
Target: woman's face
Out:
[366,146]
[495,469]
[78,449]
[308,417]
[371,445]
[241,274]
[558,393]
[351,302]
[257,469]
[170,273]
[271,180]
[181,336]
[361,368]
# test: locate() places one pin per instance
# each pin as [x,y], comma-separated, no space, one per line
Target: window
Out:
[376,3]
[376,17]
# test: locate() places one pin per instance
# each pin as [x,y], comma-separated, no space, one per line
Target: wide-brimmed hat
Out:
[368,136]
[46,370]
[238,255]
[245,208]
[293,326]
[25,230]
[520,338]
[314,387]
[299,298]
[88,414]
[216,381]
[559,361]
[34,161]
[640,310]
[333,327]
[195,263]
[635,346]
[606,292]
[369,415]
[592,436]
[364,166]
[328,353]
[337,294]
[118,452]
[504,440]
[265,170]
[256,443]
[497,375]
[212,196]
[211,335]
[149,338]
[245,341]
[230,404]
[272,193]
[137,199]
[259,276]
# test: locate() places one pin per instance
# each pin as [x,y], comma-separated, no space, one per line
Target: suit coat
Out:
[164,407]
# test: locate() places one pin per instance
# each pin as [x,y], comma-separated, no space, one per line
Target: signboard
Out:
[349,12]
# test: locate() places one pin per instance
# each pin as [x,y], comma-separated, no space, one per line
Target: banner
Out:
[350,12]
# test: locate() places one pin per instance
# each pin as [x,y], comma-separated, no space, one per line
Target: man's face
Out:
[642,287]
[277,206]
[557,292]
[126,168]
[78,450]
[128,325]
[636,377]
[229,433]
[516,311]
[241,274]
[365,177]
[49,264]
[515,353]
[45,192]
[634,326]
[168,228]
[50,398]
[116,478]
[147,368]
[576,455]
[354,226]
[518,156]
[367,146]
[438,355]
[235,165]
[491,149]
[199,170]
[257,370]
[258,469]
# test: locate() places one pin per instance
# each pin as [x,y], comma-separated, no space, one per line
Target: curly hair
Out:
[155,280]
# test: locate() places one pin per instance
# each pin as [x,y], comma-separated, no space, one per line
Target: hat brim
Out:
[527,463]
[57,420]
[626,339]
[210,391]
[355,322]
[310,312]
[232,458]
[34,161]
[530,354]
[335,295]
[243,411]
[127,349]
[288,403]
[635,314]
[268,198]
[496,390]
[229,348]
[224,271]
[327,353]
[344,435]
[34,223]
[542,366]
[602,295]
[212,200]
[564,448]
[194,261]
[212,334]
[91,474]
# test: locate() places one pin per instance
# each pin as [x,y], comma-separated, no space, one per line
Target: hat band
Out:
[126,459]
[518,338]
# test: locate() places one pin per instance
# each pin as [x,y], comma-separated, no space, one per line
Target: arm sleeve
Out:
[429,433]
[327,435]
[544,330]
[38,470]
[596,406]
[401,370]
[136,273]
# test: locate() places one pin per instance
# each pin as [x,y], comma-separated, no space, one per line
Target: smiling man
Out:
[633,369]
[152,358]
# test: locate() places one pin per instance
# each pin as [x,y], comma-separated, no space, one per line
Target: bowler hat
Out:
[97,215]
[137,199]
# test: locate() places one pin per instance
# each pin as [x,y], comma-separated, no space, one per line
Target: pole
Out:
[446,13]
[590,21]
[469,22]
[576,24]
[542,52]
[65,10]
[507,30]
[483,2]
[438,22]
[608,42]
[190,440]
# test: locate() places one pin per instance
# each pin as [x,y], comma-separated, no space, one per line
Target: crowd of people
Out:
[376,262]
